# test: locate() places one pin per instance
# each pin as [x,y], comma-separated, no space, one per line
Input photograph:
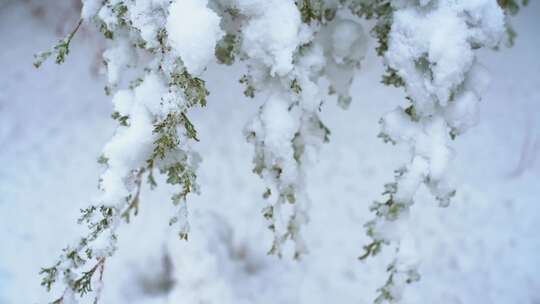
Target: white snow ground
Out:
[484,248]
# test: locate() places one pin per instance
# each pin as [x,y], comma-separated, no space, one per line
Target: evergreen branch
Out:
[61,49]
[134,204]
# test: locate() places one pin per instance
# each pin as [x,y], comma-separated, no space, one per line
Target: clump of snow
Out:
[273,32]
[462,113]
[148,17]
[279,127]
[193,30]
[118,58]
[349,42]
[433,51]
[150,92]
[123,102]
[121,155]
[90,8]
[108,17]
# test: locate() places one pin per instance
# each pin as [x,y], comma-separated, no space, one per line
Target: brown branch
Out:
[134,204]
[74,31]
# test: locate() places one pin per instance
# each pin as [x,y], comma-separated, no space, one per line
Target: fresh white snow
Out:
[54,121]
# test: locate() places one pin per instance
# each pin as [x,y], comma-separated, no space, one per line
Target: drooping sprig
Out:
[60,50]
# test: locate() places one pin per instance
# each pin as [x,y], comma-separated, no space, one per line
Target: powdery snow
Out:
[482,249]
[193,31]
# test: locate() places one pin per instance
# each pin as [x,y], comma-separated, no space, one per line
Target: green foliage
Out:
[73,256]
[105,30]
[268,212]
[162,39]
[120,9]
[49,276]
[227,48]
[132,200]
[249,91]
[123,120]
[390,209]
[168,130]
[102,160]
[298,147]
[453,134]
[105,216]
[58,301]
[295,86]
[371,249]
[369,9]
[385,138]
[381,31]
[194,88]
[512,7]
[511,34]
[382,11]
[168,138]
[391,78]
[181,174]
[60,50]
[98,219]
[135,83]
[326,131]
[83,284]
[386,291]
[267,193]
[314,10]
[411,111]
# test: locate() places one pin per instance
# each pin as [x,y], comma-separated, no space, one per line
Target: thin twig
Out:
[74,31]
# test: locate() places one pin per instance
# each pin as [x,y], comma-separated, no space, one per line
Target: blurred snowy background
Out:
[484,248]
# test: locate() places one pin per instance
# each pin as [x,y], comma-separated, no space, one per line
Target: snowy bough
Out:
[298,54]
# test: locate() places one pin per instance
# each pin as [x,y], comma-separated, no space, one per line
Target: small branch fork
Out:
[74,31]
[84,282]
[134,204]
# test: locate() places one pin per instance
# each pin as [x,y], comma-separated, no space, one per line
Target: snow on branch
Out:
[298,54]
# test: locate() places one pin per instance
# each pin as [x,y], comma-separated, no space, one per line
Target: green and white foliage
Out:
[292,50]
[153,66]
[511,8]
[430,52]
[298,55]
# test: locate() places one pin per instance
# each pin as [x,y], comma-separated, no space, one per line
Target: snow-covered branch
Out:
[298,54]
